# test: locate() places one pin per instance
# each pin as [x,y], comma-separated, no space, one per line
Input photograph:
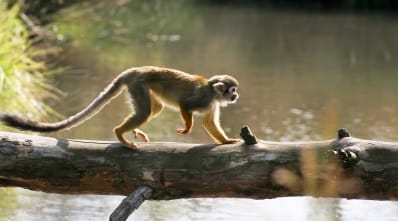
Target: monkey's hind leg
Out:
[156,108]
[141,97]
[139,133]
[130,124]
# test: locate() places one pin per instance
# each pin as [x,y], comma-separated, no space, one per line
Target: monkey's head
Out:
[226,88]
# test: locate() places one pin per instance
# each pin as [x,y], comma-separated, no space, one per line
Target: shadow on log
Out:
[344,167]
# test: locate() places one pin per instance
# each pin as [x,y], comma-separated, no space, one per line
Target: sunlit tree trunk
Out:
[343,167]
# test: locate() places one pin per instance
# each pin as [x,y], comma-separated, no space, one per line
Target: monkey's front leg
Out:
[211,124]
[188,121]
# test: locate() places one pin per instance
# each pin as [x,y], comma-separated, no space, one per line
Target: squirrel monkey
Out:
[150,88]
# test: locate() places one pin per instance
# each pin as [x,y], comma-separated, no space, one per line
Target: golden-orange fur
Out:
[150,87]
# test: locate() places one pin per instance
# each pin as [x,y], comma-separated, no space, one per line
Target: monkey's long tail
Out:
[110,92]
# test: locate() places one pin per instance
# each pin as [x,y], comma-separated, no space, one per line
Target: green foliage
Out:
[151,20]
[321,4]
[108,29]
[23,84]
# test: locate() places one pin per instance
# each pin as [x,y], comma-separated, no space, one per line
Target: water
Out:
[42,207]
[303,75]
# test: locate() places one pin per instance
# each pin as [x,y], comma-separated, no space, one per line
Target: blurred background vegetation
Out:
[24,72]
[43,7]
[319,4]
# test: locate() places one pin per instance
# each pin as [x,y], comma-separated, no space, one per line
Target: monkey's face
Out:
[231,94]
[226,88]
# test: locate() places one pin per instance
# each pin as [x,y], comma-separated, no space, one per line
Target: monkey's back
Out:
[170,85]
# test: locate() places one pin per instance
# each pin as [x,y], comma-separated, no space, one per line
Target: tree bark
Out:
[131,203]
[344,167]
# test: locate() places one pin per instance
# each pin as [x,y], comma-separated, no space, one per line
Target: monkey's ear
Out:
[219,87]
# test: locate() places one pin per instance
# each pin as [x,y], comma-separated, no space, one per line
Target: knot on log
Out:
[248,136]
[346,157]
[341,133]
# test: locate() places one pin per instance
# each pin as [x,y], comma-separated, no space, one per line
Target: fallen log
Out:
[344,167]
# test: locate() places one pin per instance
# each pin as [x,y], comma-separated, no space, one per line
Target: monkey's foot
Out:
[130,145]
[231,140]
[139,133]
[183,131]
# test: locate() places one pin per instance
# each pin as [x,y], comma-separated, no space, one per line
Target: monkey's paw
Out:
[130,145]
[231,140]
[139,133]
[183,131]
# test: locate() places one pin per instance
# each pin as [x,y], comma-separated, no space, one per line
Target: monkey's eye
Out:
[232,89]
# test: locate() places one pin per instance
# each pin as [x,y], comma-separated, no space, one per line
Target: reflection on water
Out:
[302,75]
[47,207]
